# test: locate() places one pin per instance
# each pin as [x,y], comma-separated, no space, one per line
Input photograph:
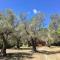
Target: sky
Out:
[48,7]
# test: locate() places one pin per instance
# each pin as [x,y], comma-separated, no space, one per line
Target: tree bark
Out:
[18,43]
[3,50]
[49,45]
[33,44]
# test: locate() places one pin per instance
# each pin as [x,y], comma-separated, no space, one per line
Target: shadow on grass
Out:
[17,56]
[24,56]
[48,52]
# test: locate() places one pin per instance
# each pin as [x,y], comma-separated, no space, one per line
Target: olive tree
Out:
[36,24]
[6,27]
[53,27]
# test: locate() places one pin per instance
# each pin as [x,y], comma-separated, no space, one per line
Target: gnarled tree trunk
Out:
[18,42]
[3,50]
[33,41]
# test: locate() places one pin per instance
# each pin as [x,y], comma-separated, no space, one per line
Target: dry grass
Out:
[45,53]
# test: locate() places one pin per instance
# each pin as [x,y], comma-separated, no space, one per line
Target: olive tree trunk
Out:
[3,50]
[33,41]
[18,43]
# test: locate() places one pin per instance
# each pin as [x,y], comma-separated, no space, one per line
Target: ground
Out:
[44,53]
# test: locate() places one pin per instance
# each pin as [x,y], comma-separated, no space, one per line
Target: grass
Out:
[45,53]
